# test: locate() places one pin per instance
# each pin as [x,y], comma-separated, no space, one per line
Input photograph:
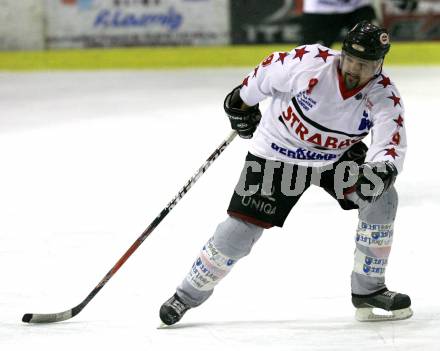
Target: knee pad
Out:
[381,211]
[235,237]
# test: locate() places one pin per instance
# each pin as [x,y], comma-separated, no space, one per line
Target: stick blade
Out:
[47,318]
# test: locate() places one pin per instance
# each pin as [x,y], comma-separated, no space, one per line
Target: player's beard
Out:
[351,81]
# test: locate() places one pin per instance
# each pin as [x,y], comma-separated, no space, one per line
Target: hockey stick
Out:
[62,316]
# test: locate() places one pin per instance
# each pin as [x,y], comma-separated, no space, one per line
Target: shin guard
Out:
[373,246]
[232,240]
[209,268]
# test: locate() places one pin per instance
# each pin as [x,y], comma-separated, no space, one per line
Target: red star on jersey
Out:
[299,53]
[399,121]
[283,55]
[395,99]
[396,139]
[392,152]
[245,81]
[255,71]
[324,54]
[385,81]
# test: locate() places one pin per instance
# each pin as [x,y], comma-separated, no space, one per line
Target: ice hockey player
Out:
[322,103]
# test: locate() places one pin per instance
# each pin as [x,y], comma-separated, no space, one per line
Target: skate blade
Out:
[162,325]
[367,315]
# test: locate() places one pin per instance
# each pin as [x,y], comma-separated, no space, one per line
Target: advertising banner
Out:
[274,21]
[109,23]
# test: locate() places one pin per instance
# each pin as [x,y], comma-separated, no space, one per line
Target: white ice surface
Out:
[87,161]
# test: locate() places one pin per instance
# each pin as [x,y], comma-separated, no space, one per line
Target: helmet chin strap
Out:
[340,61]
[379,71]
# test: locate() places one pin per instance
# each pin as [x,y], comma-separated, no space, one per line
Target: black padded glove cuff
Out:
[244,119]
[379,176]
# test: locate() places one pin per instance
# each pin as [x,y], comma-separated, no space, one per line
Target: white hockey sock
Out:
[373,245]
[209,268]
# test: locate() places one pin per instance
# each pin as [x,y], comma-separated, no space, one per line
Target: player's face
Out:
[357,71]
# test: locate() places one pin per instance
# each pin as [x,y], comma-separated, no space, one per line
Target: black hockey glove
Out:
[406,5]
[378,178]
[244,119]
[356,153]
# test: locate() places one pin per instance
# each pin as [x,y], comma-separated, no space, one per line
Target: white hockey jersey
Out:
[313,119]
[333,6]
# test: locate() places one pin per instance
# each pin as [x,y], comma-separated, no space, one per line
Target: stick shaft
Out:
[56,317]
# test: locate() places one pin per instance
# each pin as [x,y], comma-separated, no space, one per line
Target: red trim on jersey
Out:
[349,190]
[344,91]
[250,219]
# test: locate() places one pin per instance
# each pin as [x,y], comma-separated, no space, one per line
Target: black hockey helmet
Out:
[367,41]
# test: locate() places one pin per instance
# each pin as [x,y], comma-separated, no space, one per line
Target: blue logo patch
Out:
[365,122]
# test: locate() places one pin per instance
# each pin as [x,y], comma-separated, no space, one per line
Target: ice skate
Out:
[172,310]
[396,305]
